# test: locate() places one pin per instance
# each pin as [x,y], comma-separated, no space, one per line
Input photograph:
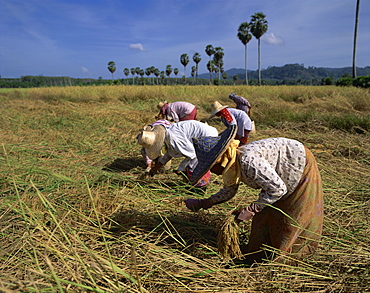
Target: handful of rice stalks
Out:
[228,238]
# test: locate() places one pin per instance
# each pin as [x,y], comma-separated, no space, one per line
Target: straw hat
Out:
[152,139]
[216,107]
[161,104]
[209,149]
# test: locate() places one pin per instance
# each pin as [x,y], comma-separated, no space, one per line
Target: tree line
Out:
[257,27]
[154,75]
[289,74]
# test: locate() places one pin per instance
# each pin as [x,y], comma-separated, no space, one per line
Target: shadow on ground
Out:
[124,164]
[190,230]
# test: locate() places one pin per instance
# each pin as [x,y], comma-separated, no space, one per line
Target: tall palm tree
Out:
[211,68]
[137,71]
[354,74]
[163,76]
[196,59]
[259,26]
[168,71]
[193,73]
[112,67]
[176,72]
[157,73]
[126,72]
[218,58]
[210,51]
[148,72]
[133,72]
[152,69]
[245,36]
[184,59]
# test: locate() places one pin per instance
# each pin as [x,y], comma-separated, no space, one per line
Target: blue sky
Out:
[78,38]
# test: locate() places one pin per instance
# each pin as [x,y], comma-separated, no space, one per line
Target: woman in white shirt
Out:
[177,139]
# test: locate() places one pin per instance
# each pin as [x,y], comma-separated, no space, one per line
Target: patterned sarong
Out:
[305,206]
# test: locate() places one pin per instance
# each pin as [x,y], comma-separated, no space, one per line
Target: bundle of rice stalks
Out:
[228,238]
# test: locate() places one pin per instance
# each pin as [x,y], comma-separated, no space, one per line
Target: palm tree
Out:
[184,59]
[224,75]
[157,73]
[163,76]
[148,72]
[211,68]
[176,72]
[354,74]
[112,67]
[133,72]
[218,58]
[168,71]
[245,36]
[196,59]
[141,72]
[152,70]
[210,51]
[126,72]
[193,73]
[137,71]
[259,26]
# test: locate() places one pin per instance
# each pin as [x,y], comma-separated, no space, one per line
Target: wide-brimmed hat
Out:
[161,104]
[208,149]
[152,138]
[216,107]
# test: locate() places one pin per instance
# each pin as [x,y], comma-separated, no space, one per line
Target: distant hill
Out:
[293,72]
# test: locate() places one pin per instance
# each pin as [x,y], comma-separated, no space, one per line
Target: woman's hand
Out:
[197,204]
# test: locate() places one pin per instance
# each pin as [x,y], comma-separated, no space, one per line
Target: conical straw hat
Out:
[152,139]
[161,104]
[216,107]
[209,149]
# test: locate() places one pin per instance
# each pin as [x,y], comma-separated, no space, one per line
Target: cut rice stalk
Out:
[228,238]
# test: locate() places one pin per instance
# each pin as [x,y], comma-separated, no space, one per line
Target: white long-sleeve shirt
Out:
[241,119]
[179,143]
[274,165]
[178,110]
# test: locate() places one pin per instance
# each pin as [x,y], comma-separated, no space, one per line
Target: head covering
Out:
[161,104]
[209,149]
[152,138]
[216,107]
[163,122]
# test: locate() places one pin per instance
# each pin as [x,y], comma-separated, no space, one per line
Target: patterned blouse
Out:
[241,103]
[274,165]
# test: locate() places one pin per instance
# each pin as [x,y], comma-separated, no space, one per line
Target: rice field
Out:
[74,217]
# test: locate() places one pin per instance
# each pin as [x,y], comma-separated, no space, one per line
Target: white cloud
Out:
[137,47]
[85,70]
[271,39]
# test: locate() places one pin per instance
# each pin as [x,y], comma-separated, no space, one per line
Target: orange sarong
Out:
[272,228]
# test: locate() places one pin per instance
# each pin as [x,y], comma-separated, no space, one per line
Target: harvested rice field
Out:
[74,217]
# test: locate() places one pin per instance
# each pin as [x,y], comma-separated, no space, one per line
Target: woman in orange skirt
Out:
[288,214]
